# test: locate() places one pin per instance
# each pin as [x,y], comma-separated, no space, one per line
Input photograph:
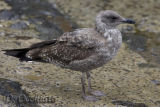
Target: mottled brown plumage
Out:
[81,50]
[66,49]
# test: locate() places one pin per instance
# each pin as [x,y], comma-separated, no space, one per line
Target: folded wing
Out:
[69,47]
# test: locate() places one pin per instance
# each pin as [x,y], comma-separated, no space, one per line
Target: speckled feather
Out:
[71,46]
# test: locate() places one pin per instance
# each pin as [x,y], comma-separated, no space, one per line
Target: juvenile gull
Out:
[81,50]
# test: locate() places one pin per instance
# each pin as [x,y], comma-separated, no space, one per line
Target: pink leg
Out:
[88,98]
[95,93]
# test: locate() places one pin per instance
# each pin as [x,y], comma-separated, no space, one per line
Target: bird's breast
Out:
[113,41]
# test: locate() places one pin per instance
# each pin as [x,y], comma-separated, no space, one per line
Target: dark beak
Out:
[129,21]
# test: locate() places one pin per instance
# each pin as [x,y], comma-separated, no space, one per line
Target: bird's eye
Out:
[113,18]
[109,18]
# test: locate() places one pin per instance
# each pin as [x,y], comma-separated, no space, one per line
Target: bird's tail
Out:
[19,53]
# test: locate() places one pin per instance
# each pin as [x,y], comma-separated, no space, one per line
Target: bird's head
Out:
[111,19]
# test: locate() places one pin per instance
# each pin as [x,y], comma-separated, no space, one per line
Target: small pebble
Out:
[57,84]
[26,68]
[156,82]
[2,34]
[19,25]
[1,26]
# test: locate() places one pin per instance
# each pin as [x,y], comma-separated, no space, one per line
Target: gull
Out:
[82,50]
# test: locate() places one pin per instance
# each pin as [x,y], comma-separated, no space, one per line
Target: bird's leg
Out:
[88,98]
[89,81]
[95,93]
[83,84]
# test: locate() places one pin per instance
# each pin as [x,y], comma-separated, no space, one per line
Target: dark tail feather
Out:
[19,53]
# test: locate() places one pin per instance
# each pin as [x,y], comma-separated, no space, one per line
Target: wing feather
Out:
[69,47]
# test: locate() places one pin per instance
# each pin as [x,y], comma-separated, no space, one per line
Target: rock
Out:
[135,41]
[2,34]
[14,95]
[8,15]
[19,25]
[1,26]
[47,20]
[26,68]
[128,104]
[156,82]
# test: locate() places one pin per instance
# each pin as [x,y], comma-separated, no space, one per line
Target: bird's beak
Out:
[129,21]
